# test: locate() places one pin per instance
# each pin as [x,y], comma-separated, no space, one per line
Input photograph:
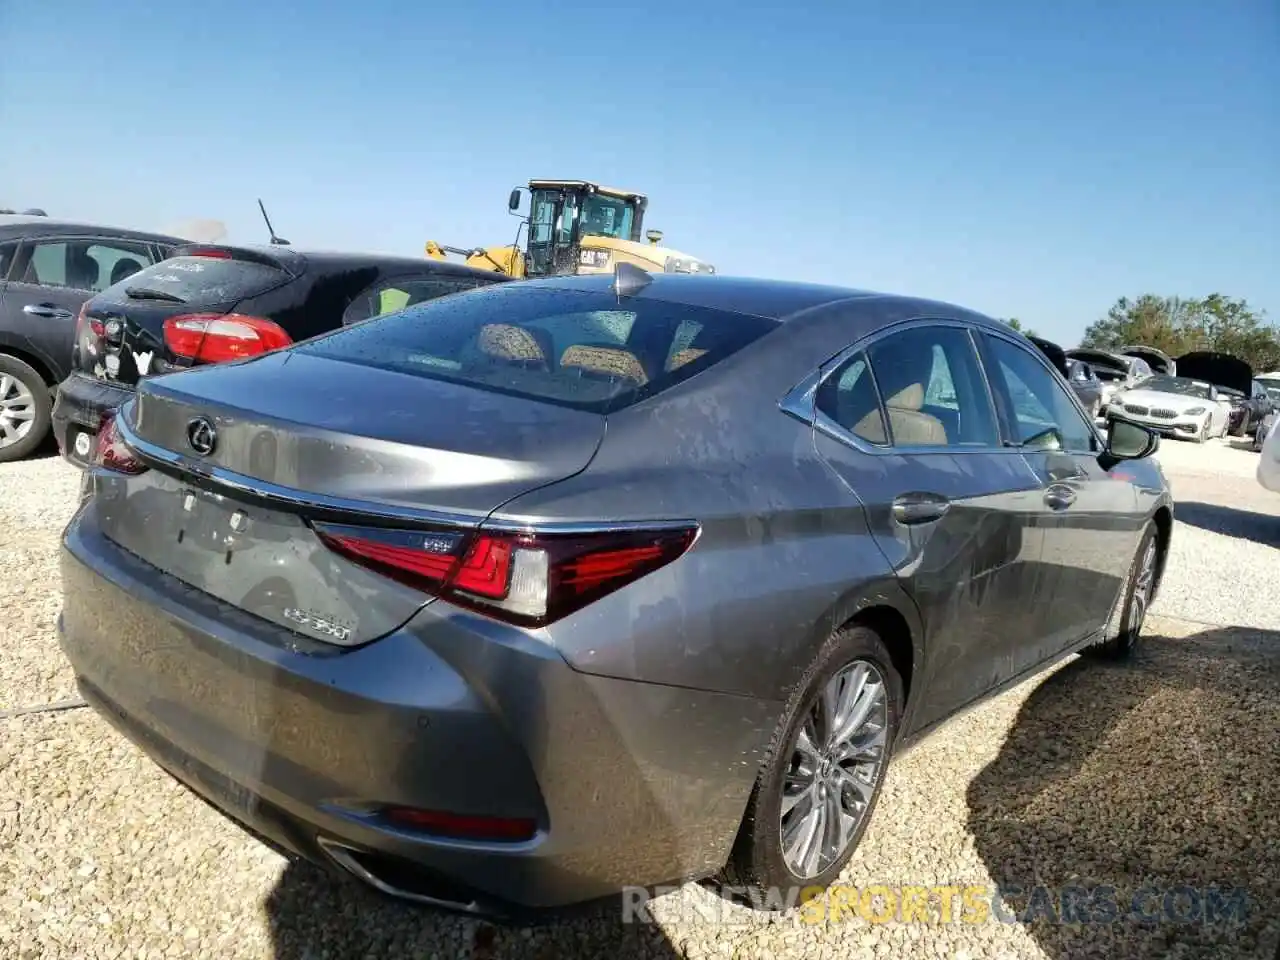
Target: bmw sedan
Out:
[517,598]
[1176,407]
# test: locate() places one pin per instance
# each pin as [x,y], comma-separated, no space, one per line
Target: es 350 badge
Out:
[329,629]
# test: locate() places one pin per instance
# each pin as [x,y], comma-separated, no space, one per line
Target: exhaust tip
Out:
[398,878]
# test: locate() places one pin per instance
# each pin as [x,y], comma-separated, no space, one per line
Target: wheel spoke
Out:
[861,789]
[802,841]
[804,793]
[6,385]
[870,695]
[866,746]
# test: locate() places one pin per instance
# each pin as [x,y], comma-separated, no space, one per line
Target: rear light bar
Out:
[213,252]
[222,337]
[526,578]
[111,453]
[462,826]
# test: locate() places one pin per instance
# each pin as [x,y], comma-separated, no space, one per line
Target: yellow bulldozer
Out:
[576,227]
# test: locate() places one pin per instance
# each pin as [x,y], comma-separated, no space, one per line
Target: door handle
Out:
[48,311]
[913,508]
[1059,497]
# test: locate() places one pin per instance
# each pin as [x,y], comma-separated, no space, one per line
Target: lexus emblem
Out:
[201,436]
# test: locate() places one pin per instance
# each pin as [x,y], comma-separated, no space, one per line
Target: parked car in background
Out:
[1114,371]
[48,269]
[1247,412]
[489,488]
[1264,428]
[1268,442]
[1233,377]
[1156,360]
[1173,406]
[1086,385]
[217,303]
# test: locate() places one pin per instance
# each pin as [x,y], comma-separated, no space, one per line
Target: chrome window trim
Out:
[801,400]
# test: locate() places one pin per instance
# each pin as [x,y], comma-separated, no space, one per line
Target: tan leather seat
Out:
[681,357]
[502,341]
[613,363]
[910,426]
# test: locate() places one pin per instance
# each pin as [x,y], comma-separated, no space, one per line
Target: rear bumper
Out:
[629,783]
[78,411]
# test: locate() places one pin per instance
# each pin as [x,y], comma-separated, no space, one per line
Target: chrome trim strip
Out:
[363,509]
[341,854]
[287,496]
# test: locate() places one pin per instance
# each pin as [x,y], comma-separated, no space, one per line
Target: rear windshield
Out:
[577,349]
[203,280]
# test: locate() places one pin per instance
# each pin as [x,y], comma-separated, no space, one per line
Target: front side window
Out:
[573,348]
[1041,413]
[931,388]
[85,264]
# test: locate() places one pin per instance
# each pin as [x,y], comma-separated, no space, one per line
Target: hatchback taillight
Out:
[111,453]
[222,337]
[89,333]
[530,579]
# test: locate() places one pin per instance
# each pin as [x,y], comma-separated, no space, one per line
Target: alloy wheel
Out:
[17,410]
[1144,580]
[837,760]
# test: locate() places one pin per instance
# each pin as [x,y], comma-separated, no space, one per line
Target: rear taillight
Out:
[530,579]
[89,333]
[111,453]
[222,337]
[213,252]
[462,826]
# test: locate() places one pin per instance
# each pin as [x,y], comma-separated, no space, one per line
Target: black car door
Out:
[51,279]
[907,423]
[1091,519]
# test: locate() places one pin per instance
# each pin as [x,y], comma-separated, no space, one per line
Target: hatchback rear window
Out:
[204,280]
[579,349]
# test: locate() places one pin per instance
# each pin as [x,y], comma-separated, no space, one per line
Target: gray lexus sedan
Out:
[519,597]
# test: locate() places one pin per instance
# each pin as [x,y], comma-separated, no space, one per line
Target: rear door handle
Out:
[1059,497]
[48,311]
[912,508]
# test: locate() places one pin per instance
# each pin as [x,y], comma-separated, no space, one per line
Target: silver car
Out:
[531,593]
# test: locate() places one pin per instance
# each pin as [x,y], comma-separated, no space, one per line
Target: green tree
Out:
[1176,326]
[1016,324]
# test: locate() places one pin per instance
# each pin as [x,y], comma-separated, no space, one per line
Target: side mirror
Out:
[513,201]
[1129,441]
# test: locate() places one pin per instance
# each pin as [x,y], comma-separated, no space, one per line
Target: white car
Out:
[1175,407]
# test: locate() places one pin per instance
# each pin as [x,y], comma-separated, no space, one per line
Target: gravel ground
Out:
[1159,774]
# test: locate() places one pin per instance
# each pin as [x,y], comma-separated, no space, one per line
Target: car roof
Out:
[771,299]
[20,225]
[778,300]
[334,260]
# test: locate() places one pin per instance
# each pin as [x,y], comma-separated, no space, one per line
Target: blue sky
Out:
[1023,159]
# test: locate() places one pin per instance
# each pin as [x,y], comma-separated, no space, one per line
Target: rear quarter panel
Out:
[784,554]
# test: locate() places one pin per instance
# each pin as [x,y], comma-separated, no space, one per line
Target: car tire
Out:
[762,859]
[24,392]
[1134,600]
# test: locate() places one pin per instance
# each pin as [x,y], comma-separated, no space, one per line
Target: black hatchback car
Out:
[214,303]
[48,269]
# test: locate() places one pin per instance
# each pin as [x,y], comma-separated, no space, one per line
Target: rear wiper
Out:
[143,293]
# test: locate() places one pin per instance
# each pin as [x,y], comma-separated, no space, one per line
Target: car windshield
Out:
[1178,385]
[579,349]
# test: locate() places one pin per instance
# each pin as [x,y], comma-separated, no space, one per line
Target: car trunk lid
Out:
[302,450]
[120,336]
[1220,369]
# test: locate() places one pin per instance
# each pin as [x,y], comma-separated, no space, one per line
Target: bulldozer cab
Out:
[565,214]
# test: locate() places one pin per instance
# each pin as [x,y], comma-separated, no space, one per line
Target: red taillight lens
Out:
[462,826]
[213,252]
[86,324]
[111,453]
[530,579]
[220,338]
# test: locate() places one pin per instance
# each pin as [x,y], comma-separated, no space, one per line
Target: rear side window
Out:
[400,293]
[206,280]
[849,398]
[578,349]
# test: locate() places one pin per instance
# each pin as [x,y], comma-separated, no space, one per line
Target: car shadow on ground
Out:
[1261,528]
[314,914]
[1134,810]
